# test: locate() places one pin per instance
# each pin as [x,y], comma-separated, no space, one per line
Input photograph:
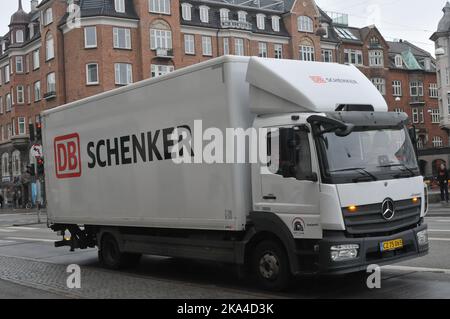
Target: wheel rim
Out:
[111,252]
[269,266]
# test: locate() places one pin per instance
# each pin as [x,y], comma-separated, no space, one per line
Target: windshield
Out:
[368,154]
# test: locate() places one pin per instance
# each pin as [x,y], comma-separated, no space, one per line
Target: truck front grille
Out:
[368,220]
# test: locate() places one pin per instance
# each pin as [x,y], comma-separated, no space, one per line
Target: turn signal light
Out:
[352,209]
[415,200]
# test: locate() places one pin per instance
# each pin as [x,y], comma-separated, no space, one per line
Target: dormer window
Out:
[19,36]
[224,14]
[48,16]
[119,6]
[276,23]
[31,28]
[260,21]
[242,16]
[204,14]
[186,9]
[305,24]
[398,61]
[374,41]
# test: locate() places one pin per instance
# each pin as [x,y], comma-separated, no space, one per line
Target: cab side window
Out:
[289,153]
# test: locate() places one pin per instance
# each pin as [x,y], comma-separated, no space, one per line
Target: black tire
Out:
[111,257]
[269,266]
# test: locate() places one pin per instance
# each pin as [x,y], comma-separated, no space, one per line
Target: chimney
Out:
[34,4]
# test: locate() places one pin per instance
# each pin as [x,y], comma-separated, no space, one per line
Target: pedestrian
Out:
[2,201]
[443,182]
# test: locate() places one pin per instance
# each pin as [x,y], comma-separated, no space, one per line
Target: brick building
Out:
[47,58]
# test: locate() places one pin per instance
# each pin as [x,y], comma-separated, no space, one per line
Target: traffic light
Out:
[38,131]
[31,170]
[31,130]
[40,166]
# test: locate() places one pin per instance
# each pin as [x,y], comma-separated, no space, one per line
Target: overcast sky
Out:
[397,19]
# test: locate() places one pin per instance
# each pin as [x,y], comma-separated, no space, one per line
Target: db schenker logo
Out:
[67,156]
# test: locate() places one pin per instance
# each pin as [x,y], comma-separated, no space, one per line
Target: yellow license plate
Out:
[391,245]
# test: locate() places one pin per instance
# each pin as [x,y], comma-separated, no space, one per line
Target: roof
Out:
[20,16]
[413,57]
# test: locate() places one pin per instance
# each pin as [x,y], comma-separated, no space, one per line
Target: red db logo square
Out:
[67,156]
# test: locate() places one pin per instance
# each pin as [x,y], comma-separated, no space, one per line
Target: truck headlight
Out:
[344,252]
[422,237]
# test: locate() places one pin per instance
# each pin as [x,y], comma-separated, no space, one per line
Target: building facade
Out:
[49,57]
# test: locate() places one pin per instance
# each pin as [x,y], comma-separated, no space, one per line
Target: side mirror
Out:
[343,132]
[412,134]
[313,178]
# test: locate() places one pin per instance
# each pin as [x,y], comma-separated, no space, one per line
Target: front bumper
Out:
[369,251]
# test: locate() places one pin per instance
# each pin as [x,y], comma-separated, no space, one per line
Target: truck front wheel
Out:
[111,257]
[270,266]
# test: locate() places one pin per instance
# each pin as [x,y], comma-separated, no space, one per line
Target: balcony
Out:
[50,95]
[164,53]
[235,24]
[417,100]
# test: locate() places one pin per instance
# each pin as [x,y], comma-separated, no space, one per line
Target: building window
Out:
[36,62]
[278,51]
[7,74]
[92,74]
[204,14]
[434,93]
[327,55]
[19,36]
[435,116]
[224,15]
[90,37]
[376,58]
[305,24]
[123,73]
[159,6]
[16,163]
[8,102]
[417,116]
[262,50]
[276,23]
[307,53]
[226,46]
[119,5]
[186,9]
[397,88]
[5,161]
[416,88]
[353,57]
[19,64]
[380,84]
[37,91]
[160,39]
[21,122]
[28,94]
[242,16]
[48,16]
[1,104]
[398,110]
[158,70]
[206,45]
[260,21]
[239,46]
[20,94]
[49,47]
[51,83]
[122,38]
[398,61]
[189,44]
[437,142]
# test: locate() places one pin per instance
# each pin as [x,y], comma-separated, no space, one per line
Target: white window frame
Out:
[21,124]
[242,16]
[88,80]
[278,51]
[8,101]
[327,55]
[189,44]
[21,68]
[226,46]
[399,61]
[158,70]
[51,82]
[416,86]
[87,44]
[380,84]
[261,21]
[354,55]
[47,16]
[434,91]
[37,91]
[186,11]
[36,59]
[159,6]
[397,88]
[126,32]
[305,24]
[307,53]
[207,45]
[7,73]
[119,6]
[118,73]
[276,23]
[239,46]
[435,116]
[438,142]
[376,58]
[224,15]
[49,47]
[21,38]
[20,92]
[204,14]
[160,39]
[1,104]
[262,49]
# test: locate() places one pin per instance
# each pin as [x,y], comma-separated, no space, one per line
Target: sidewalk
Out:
[5,211]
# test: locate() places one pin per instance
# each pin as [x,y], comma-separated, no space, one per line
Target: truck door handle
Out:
[270,197]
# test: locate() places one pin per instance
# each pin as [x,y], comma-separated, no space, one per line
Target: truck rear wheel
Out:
[111,257]
[270,266]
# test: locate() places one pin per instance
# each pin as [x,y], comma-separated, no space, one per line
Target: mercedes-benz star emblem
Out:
[388,209]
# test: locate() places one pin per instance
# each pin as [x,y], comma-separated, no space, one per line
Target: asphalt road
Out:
[30,267]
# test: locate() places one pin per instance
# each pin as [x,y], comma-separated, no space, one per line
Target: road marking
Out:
[7,230]
[32,239]
[6,241]
[23,228]
[439,239]
[418,269]
[439,230]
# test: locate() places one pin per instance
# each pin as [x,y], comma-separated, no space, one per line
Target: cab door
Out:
[289,181]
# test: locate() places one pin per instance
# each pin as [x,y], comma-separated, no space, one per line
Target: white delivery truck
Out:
[336,186]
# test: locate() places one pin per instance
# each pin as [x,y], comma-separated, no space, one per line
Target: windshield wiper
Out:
[406,168]
[360,169]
